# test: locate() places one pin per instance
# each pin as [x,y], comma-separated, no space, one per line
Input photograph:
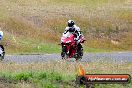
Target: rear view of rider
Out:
[73,29]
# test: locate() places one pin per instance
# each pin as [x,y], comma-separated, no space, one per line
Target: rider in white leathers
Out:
[73,29]
[1,37]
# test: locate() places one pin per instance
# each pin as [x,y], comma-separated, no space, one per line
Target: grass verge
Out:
[60,74]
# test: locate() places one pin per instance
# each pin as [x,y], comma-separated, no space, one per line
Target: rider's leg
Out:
[80,49]
[2,47]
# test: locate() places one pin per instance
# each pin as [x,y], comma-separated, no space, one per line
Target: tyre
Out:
[2,55]
[64,53]
[2,52]
[78,59]
[78,55]
[80,50]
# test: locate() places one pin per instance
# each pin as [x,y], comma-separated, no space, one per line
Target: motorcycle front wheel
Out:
[2,53]
[64,54]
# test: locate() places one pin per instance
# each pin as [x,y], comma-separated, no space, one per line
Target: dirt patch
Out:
[4,83]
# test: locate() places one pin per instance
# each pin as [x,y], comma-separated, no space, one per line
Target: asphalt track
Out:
[88,57]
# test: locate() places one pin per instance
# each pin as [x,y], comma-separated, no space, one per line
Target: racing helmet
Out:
[71,23]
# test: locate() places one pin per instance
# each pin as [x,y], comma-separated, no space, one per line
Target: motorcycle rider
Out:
[73,29]
[1,37]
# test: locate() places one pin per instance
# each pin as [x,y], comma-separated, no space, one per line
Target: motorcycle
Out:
[2,52]
[70,47]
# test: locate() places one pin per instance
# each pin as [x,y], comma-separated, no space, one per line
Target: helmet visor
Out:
[70,24]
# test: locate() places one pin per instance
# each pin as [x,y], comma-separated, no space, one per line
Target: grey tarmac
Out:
[88,57]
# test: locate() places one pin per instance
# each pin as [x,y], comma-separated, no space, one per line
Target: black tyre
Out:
[78,59]
[78,56]
[64,53]
[2,52]
[80,52]
[3,55]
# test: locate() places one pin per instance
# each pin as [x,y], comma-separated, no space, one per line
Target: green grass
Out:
[44,75]
[94,50]
[40,79]
[60,74]
[44,48]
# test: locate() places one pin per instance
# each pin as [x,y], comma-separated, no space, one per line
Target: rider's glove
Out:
[75,39]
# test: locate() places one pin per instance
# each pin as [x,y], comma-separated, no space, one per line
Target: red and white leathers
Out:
[73,30]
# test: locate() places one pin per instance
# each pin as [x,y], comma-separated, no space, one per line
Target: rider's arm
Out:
[78,33]
[66,30]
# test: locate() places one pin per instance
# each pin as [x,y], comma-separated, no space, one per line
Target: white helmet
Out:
[1,35]
[71,23]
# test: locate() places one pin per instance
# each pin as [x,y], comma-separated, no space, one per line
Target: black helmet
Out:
[71,23]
